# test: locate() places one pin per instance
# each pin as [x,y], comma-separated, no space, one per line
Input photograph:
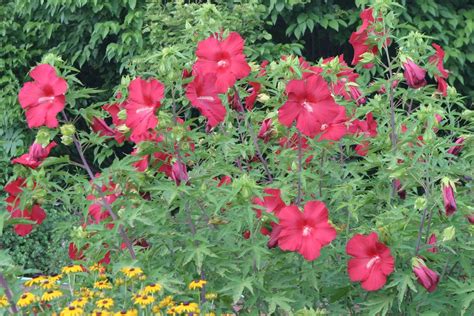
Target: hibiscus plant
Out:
[287,185]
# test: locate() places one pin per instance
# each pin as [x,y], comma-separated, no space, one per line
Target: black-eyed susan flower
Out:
[172,311]
[55,277]
[26,299]
[106,303]
[101,313]
[3,301]
[51,295]
[211,296]
[97,267]
[80,302]
[35,280]
[187,307]
[103,285]
[132,272]
[47,284]
[197,284]
[165,302]
[130,312]
[143,300]
[152,288]
[86,292]
[72,268]
[72,311]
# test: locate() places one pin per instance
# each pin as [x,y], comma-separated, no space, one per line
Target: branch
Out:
[8,293]
[104,202]
[254,139]
[300,168]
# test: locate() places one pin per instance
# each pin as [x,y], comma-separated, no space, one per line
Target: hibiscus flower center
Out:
[307,230]
[372,261]
[45,100]
[223,63]
[144,109]
[206,98]
[324,126]
[307,106]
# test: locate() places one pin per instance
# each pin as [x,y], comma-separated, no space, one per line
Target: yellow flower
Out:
[47,284]
[210,314]
[35,280]
[3,301]
[72,268]
[197,284]
[211,296]
[51,295]
[80,302]
[97,267]
[131,312]
[86,293]
[106,303]
[26,299]
[152,288]
[143,300]
[167,301]
[132,272]
[187,308]
[55,277]
[72,311]
[119,281]
[172,311]
[102,285]
[101,313]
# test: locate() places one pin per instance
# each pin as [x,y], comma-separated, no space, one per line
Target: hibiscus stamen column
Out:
[107,206]
[8,293]
[254,139]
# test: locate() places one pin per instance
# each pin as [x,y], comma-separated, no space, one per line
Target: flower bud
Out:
[367,58]
[448,233]
[449,200]
[414,74]
[66,140]
[426,277]
[122,114]
[263,97]
[68,129]
[420,203]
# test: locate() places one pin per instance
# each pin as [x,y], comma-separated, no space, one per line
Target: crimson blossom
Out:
[437,59]
[448,197]
[305,232]
[44,97]
[414,74]
[35,156]
[360,39]
[310,104]
[372,261]
[224,58]
[34,213]
[203,94]
[425,276]
[144,98]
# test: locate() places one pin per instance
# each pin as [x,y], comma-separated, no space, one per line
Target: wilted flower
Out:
[425,276]
[414,74]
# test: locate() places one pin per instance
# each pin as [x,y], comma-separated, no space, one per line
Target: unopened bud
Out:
[43,136]
[68,129]
[448,233]
[263,97]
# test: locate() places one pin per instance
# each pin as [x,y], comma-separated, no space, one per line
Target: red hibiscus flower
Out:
[36,214]
[143,99]
[35,156]
[432,241]
[360,39]
[271,202]
[266,130]
[310,104]
[372,261]
[437,59]
[448,197]
[224,58]
[336,129]
[305,232]
[103,129]
[203,95]
[97,210]
[44,97]
[367,128]
[179,173]
[414,74]
[254,91]
[456,149]
[426,277]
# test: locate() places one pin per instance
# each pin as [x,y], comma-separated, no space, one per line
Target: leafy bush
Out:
[289,186]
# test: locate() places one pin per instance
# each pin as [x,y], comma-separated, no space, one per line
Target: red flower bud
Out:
[414,74]
[426,277]
[449,199]
[456,149]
